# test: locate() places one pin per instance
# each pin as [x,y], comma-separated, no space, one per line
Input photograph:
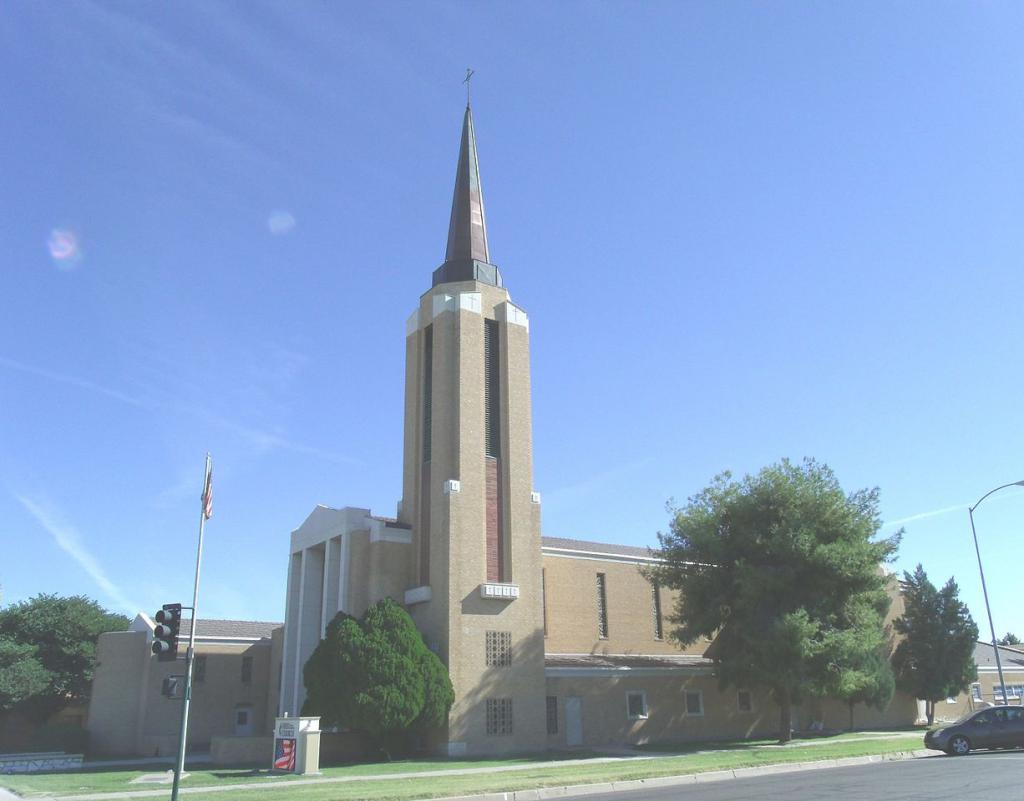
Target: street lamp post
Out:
[984,589]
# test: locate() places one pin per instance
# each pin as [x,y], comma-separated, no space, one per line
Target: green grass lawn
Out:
[111,780]
[522,774]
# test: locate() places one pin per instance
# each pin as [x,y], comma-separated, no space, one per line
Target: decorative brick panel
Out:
[494,534]
[424,526]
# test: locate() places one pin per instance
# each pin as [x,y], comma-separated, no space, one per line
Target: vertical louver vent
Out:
[428,387]
[659,630]
[602,607]
[492,395]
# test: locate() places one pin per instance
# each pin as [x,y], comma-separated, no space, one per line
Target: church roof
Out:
[242,629]
[626,661]
[1011,657]
[586,546]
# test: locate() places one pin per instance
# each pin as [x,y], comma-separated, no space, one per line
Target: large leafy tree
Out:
[935,659]
[1009,639]
[783,570]
[48,651]
[22,675]
[377,675]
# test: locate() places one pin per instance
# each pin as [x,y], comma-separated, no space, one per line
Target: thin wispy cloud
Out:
[946,510]
[70,541]
[62,378]
[261,440]
[580,490]
[960,507]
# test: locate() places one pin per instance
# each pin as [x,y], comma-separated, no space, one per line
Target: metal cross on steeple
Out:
[469,74]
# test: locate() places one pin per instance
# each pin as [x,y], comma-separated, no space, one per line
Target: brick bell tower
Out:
[475,588]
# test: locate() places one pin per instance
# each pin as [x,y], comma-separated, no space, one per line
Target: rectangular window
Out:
[656,609]
[241,717]
[492,395]
[552,701]
[636,705]
[498,648]
[744,701]
[694,703]
[544,598]
[976,692]
[246,670]
[199,670]
[602,608]
[499,717]
[428,387]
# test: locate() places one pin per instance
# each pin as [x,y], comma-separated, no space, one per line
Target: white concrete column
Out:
[285,702]
[296,626]
[344,561]
[310,615]
[328,593]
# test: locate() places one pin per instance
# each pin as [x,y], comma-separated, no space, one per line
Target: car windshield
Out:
[967,716]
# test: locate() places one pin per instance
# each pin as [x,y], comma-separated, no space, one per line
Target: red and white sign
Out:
[284,754]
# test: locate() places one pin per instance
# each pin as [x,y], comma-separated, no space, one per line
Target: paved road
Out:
[939,778]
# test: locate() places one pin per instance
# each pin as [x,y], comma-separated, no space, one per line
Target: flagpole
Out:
[190,653]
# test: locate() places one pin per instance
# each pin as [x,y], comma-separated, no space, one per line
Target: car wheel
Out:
[959,746]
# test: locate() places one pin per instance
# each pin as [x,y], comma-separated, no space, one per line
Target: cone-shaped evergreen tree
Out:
[935,659]
[376,675]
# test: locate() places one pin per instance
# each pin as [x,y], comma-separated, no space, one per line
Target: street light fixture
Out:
[984,589]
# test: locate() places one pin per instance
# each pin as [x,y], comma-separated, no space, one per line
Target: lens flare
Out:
[280,222]
[64,248]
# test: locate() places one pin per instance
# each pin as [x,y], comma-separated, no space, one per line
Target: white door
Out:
[243,721]
[573,720]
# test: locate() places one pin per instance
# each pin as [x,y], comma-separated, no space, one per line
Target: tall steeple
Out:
[467,231]
[467,257]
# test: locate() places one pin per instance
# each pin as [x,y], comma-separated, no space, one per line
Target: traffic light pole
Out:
[190,653]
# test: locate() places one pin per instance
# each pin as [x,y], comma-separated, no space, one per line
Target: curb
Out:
[542,793]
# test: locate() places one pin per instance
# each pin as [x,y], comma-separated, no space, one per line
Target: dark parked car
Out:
[998,727]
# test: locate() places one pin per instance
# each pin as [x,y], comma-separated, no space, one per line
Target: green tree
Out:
[377,675]
[935,659]
[22,675]
[1009,639]
[50,650]
[872,683]
[783,569]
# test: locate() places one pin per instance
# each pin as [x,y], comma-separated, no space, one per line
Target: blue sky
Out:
[742,231]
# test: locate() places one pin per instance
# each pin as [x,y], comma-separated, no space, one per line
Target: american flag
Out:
[284,753]
[208,495]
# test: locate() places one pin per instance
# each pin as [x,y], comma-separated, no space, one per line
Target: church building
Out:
[549,642]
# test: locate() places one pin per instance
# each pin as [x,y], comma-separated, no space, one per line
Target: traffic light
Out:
[165,633]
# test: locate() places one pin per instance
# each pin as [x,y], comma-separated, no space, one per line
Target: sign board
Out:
[284,754]
[296,745]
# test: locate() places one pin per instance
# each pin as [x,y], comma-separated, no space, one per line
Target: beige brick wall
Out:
[115,706]
[128,714]
[570,589]
[606,722]
[988,683]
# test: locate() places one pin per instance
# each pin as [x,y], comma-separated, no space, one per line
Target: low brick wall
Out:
[242,750]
